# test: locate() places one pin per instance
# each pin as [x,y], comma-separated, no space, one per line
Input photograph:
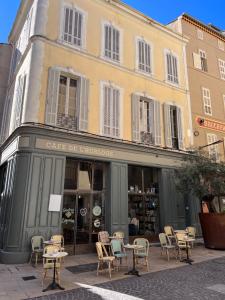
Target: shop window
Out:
[85,176]
[143,201]
[98,177]
[213,149]
[71,175]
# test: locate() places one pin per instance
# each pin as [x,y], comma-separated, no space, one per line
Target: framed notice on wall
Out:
[55,202]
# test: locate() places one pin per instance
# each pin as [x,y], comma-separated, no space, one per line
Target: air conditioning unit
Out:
[147,138]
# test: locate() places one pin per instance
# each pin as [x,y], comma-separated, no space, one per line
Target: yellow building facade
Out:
[97,116]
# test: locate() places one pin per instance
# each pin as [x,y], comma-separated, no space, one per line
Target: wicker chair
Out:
[118,251]
[48,262]
[59,241]
[142,253]
[191,231]
[170,233]
[166,245]
[103,258]
[37,247]
[181,243]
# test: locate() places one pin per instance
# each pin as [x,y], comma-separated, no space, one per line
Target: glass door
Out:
[83,219]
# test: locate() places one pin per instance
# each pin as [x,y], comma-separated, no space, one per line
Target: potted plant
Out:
[203,178]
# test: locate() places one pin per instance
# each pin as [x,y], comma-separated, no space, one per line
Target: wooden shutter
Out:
[135,117]
[115,108]
[180,129]
[197,61]
[52,97]
[157,123]
[83,104]
[167,126]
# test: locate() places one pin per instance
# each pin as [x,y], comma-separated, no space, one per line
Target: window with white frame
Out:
[146,124]
[222,68]
[111,111]
[144,56]
[206,101]
[67,100]
[174,137]
[111,42]
[203,59]
[171,67]
[213,149]
[221,45]
[19,100]
[73,27]
[200,34]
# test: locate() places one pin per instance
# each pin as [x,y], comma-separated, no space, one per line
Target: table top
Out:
[187,239]
[51,242]
[180,231]
[55,255]
[135,247]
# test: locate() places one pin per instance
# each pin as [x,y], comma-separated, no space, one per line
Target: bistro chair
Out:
[58,240]
[48,262]
[166,245]
[191,231]
[181,244]
[103,237]
[170,233]
[142,253]
[103,258]
[117,250]
[37,247]
[119,235]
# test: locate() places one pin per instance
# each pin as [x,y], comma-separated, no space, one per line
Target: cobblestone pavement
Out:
[205,280]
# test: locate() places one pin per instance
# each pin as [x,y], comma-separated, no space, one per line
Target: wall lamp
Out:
[208,145]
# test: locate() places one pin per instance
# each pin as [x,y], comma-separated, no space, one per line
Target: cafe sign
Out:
[211,124]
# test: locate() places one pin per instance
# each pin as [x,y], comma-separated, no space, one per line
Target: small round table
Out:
[54,285]
[133,247]
[187,259]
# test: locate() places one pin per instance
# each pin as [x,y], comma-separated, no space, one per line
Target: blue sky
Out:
[161,10]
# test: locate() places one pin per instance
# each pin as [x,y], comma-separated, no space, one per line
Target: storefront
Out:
[103,184]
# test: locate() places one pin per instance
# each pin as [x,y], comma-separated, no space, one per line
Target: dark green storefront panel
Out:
[36,177]
[119,198]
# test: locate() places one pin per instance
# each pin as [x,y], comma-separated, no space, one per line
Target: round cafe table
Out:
[134,271]
[54,256]
[187,259]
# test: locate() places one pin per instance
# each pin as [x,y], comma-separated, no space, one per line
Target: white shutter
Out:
[52,97]
[83,104]
[157,123]
[106,110]
[180,129]
[115,122]
[167,126]
[197,61]
[135,111]
[19,100]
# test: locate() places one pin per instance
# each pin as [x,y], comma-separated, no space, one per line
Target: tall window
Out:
[222,68]
[73,27]
[172,68]
[203,59]
[206,101]
[221,45]
[111,42]
[144,57]
[213,149]
[200,34]
[111,111]
[20,90]
[146,123]
[67,102]
[173,127]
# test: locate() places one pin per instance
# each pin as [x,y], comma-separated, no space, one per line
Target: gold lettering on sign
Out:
[73,148]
